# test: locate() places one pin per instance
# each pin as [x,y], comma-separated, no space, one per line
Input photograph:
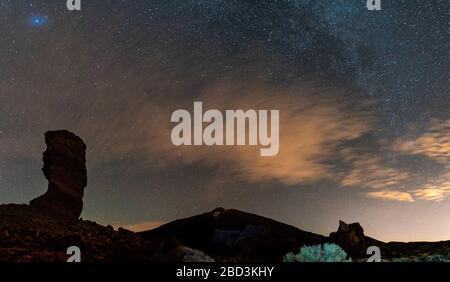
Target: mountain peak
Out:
[218,211]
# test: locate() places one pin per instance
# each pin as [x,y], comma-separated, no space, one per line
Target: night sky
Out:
[364,100]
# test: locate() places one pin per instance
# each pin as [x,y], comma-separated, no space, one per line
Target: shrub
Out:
[423,258]
[319,253]
[437,258]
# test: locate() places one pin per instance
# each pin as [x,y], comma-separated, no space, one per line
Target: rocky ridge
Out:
[28,234]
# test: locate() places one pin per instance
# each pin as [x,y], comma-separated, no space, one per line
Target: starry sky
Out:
[364,100]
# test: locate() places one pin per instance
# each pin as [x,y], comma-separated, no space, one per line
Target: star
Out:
[378,79]
[37,20]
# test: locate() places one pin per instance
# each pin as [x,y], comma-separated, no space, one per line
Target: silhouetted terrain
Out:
[235,235]
[232,235]
[27,234]
[45,229]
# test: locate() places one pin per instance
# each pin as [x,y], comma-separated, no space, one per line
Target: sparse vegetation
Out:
[319,253]
[423,258]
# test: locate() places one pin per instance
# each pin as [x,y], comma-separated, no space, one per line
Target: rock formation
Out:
[350,237]
[65,169]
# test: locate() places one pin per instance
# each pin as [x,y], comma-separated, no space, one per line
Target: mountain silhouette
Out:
[233,235]
[45,229]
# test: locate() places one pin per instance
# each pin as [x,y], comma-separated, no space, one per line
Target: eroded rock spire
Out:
[65,170]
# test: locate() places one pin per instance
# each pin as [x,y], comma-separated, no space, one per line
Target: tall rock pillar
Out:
[65,170]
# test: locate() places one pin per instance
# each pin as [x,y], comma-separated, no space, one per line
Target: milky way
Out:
[363,97]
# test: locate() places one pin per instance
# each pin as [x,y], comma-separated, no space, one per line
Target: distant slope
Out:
[232,235]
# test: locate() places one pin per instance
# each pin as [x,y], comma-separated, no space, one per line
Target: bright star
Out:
[37,20]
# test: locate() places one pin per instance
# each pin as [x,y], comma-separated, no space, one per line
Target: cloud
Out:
[430,194]
[370,171]
[122,114]
[391,196]
[437,190]
[434,144]
[312,127]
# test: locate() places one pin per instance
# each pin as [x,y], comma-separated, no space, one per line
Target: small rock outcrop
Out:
[65,169]
[350,237]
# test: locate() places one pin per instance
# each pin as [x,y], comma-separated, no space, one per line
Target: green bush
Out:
[319,253]
[423,258]
[437,258]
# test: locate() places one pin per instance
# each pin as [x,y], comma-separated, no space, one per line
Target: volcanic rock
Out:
[350,237]
[65,169]
[26,235]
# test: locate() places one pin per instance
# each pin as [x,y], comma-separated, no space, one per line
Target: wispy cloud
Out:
[311,131]
[391,196]
[124,116]
[368,170]
[371,171]
[434,144]
[436,190]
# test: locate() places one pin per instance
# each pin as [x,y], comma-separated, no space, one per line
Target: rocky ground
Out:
[30,235]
